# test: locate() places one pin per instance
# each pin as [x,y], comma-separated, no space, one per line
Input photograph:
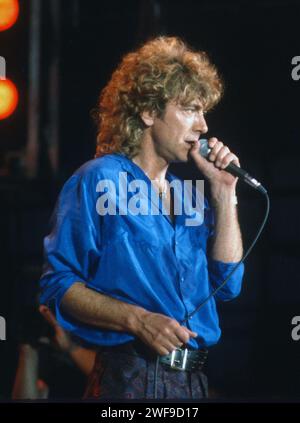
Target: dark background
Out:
[252,43]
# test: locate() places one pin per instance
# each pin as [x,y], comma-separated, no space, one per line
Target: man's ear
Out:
[148,117]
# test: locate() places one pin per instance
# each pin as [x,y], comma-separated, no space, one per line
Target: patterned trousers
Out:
[122,372]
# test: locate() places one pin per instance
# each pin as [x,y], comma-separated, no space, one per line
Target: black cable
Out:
[236,266]
[156,376]
[189,316]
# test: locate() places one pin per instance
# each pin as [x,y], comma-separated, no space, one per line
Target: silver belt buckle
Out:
[179,358]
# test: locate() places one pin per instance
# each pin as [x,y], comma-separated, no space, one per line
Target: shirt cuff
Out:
[53,294]
[219,271]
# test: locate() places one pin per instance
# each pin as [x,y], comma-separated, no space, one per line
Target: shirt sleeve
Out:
[72,248]
[219,271]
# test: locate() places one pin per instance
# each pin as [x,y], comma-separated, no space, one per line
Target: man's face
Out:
[173,134]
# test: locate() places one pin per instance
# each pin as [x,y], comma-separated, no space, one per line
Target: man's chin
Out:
[187,158]
[180,160]
[184,157]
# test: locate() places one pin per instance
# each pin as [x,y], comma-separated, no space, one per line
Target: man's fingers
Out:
[164,334]
[220,154]
[162,351]
[176,341]
[215,146]
[191,333]
[173,344]
[230,157]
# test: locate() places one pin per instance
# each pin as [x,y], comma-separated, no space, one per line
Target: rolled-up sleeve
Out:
[72,248]
[218,272]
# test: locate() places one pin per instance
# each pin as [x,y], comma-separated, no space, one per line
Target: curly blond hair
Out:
[162,70]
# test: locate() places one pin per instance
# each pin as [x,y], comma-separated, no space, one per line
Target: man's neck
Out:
[152,164]
[151,168]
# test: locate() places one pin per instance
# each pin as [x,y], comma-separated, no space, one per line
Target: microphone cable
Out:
[190,315]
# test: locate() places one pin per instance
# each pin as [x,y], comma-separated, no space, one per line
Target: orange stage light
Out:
[8,98]
[9,12]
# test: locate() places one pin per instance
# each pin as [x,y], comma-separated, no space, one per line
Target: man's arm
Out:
[227,242]
[99,310]
[158,331]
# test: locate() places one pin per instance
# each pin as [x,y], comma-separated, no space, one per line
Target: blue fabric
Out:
[140,259]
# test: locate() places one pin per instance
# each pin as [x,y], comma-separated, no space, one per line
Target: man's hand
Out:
[218,159]
[61,338]
[162,333]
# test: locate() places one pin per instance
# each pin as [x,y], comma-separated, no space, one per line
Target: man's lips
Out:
[190,142]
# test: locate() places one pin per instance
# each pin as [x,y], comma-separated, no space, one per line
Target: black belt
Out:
[183,359]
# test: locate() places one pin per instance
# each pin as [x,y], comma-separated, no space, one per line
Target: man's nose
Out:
[200,124]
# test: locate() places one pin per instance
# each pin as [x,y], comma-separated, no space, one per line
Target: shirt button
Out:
[176,243]
[182,279]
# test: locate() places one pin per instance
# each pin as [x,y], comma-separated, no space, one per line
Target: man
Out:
[127,282]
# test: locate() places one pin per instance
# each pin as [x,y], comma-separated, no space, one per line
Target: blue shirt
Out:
[141,259]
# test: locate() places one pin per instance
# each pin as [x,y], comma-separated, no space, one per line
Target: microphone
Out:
[205,150]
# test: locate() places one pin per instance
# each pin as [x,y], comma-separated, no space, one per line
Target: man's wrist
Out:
[135,319]
[228,201]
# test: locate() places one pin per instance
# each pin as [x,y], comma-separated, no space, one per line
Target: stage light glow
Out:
[9,12]
[8,98]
